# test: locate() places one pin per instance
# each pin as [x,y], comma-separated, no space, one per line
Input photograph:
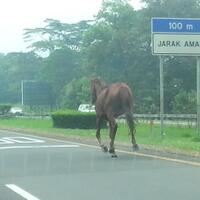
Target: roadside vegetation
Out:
[177,138]
[116,46]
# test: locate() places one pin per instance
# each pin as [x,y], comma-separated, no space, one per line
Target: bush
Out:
[4,109]
[185,102]
[74,119]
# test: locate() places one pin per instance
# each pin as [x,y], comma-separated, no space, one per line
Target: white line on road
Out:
[38,147]
[23,140]
[21,192]
[4,141]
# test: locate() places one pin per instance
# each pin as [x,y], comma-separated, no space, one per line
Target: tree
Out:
[109,45]
[56,35]
[61,67]
[172,8]
[75,93]
[15,67]
[117,48]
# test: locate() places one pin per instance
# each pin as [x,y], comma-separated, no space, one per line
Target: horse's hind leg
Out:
[98,136]
[131,124]
[113,130]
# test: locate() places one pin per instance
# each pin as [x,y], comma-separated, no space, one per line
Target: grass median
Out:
[177,138]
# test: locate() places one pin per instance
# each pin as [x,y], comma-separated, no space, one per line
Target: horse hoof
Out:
[104,149]
[112,151]
[113,156]
[135,147]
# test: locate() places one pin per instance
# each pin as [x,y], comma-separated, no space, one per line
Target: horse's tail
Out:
[126,99]
[127,102]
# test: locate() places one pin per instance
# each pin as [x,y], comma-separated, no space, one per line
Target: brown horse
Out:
[110,102]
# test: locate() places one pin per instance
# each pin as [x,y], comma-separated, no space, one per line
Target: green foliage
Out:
[184,102]
[15,67]
[4,109]
[115,46]
[75,93]
[56,35]
[109,45]
[61,67]
[173,8]
[74,119]
[147,106]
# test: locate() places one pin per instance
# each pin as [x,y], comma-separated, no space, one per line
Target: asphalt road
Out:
[37,168]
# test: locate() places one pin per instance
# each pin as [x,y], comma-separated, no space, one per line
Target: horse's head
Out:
[96,87]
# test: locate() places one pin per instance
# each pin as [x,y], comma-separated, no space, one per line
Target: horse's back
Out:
[117,98]
[120,91]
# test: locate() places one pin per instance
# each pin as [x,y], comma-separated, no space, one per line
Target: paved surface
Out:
[37,168]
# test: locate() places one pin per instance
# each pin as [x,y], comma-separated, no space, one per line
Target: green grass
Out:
[175,138]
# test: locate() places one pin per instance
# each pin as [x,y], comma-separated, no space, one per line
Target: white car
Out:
[16,111]
[86,108]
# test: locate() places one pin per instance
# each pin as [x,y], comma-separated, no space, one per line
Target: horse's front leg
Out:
[113,130]
[98,136]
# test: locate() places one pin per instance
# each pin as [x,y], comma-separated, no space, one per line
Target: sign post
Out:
[177,37]
[161,97]
[198,95]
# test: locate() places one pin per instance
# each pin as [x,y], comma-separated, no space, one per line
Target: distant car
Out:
[86,108]
[16,111]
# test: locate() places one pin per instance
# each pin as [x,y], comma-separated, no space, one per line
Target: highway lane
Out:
[37,168]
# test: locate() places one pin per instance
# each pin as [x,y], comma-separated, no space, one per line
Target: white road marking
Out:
[21,192]
[21,140]
[3,141]
[39,147]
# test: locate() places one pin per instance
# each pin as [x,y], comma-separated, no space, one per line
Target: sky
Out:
[17,15]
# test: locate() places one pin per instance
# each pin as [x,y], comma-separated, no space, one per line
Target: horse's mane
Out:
[97,85]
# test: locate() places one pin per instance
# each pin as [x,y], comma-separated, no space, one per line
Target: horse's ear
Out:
[92,81]
[94,78]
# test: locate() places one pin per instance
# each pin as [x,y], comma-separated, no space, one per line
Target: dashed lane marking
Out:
[21,192]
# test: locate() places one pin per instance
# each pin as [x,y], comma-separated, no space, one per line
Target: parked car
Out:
[16,111]
[86,108]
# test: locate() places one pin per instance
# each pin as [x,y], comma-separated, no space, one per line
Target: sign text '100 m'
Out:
[180,26]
